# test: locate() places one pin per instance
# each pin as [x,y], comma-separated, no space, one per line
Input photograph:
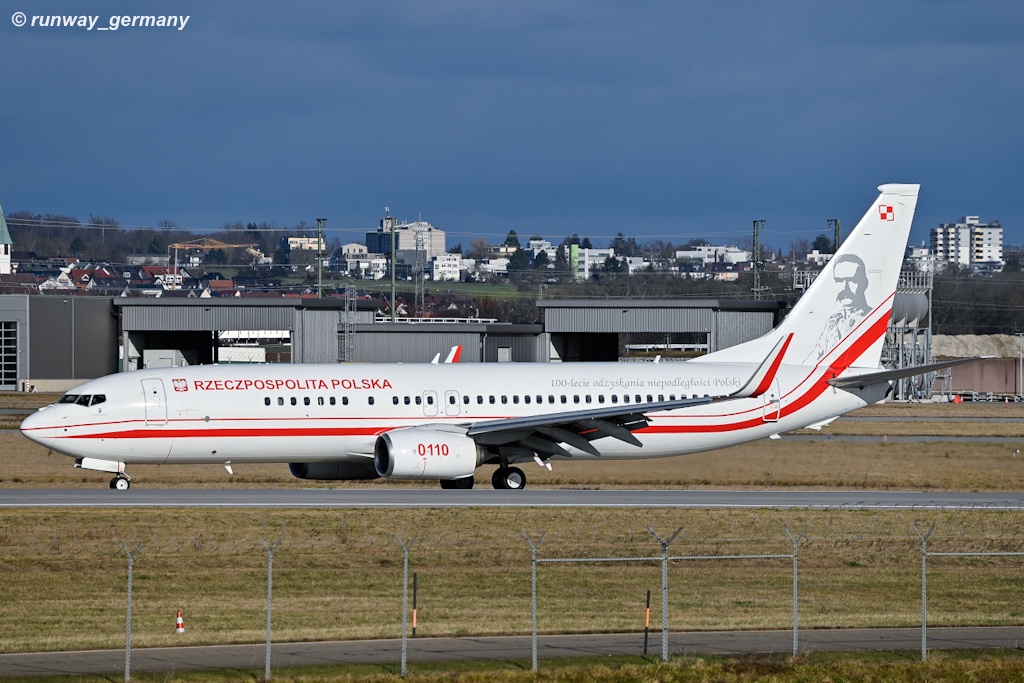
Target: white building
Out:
[304,243]
[537,246]
[445,267]
[367,266]
[969,243]
[818,258]
[591,260]
[715,254]
[354,250]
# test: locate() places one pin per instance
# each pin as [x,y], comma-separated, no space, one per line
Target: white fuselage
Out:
[312,413]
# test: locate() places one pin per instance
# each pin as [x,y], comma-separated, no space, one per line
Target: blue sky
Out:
[664,120]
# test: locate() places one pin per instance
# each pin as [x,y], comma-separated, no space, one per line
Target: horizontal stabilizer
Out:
[867,379]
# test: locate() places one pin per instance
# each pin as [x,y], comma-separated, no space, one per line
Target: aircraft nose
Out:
[38,426]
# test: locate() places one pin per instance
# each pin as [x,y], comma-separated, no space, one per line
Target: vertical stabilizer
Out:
[841,319]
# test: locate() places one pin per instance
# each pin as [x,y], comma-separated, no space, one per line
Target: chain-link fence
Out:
[253,577]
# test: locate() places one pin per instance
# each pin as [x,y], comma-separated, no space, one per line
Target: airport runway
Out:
[140,497]
[509,648]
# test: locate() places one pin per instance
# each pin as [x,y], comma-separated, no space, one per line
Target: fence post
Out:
[924,589]
[796,592]
[270,597]
[533,596]
[128,619]
[664,588]
[405,597]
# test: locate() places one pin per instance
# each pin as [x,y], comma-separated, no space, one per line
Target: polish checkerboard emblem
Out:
[180,385]
[886,213]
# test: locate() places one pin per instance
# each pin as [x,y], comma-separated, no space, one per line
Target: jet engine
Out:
[361,469]
[425,453]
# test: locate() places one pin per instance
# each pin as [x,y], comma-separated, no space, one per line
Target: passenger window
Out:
[672,397]
[419,400]
[479,400]
[394,400]
[661,397]
[551,399]
[320,400]
[430,400]
[540,399]
[98,398]
[575,399]
[451,400]
[650,399]
[280,400]
[563,399]
[615,398]
[344,400]
[587,398]
[504,399]
[600,398]
[465,399]
[332,400]
[408,400]
[295,401]
[305,401]
[526,399]
[369,400]
[491,399]
[625,399]
[266,401]
[515,399]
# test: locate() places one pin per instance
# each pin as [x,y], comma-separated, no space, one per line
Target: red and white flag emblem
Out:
[180,385]
[886,213]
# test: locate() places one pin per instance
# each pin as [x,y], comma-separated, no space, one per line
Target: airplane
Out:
[442,421]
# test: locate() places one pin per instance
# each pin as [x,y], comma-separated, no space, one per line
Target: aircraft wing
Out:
[522,437]
[869,378]
[542,434]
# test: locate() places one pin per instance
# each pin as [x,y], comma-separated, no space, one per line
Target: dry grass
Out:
[338,574]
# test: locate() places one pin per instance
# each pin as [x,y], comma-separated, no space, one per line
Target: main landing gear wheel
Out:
[463,483]
[120,483]
[508,478]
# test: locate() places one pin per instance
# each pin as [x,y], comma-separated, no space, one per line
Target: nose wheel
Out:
[120,483]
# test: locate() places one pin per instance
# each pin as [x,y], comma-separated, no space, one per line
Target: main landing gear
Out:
[508,478]
[120,482]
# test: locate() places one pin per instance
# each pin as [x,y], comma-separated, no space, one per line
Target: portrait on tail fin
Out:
[850,274]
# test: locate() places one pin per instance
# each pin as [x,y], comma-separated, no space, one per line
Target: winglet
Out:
[763,377]
[454,355]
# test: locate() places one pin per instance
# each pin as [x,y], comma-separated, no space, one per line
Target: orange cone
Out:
[179,624]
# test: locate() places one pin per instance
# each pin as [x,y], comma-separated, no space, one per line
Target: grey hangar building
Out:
[55,342]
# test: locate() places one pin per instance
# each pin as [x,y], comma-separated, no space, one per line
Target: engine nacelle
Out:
[425,453]
[335,470]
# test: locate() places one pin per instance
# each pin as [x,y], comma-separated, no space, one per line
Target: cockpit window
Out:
[83,399]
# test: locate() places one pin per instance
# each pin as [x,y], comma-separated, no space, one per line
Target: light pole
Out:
[1020,363]
[319,255]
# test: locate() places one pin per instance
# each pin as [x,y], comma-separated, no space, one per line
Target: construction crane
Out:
[208,244]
